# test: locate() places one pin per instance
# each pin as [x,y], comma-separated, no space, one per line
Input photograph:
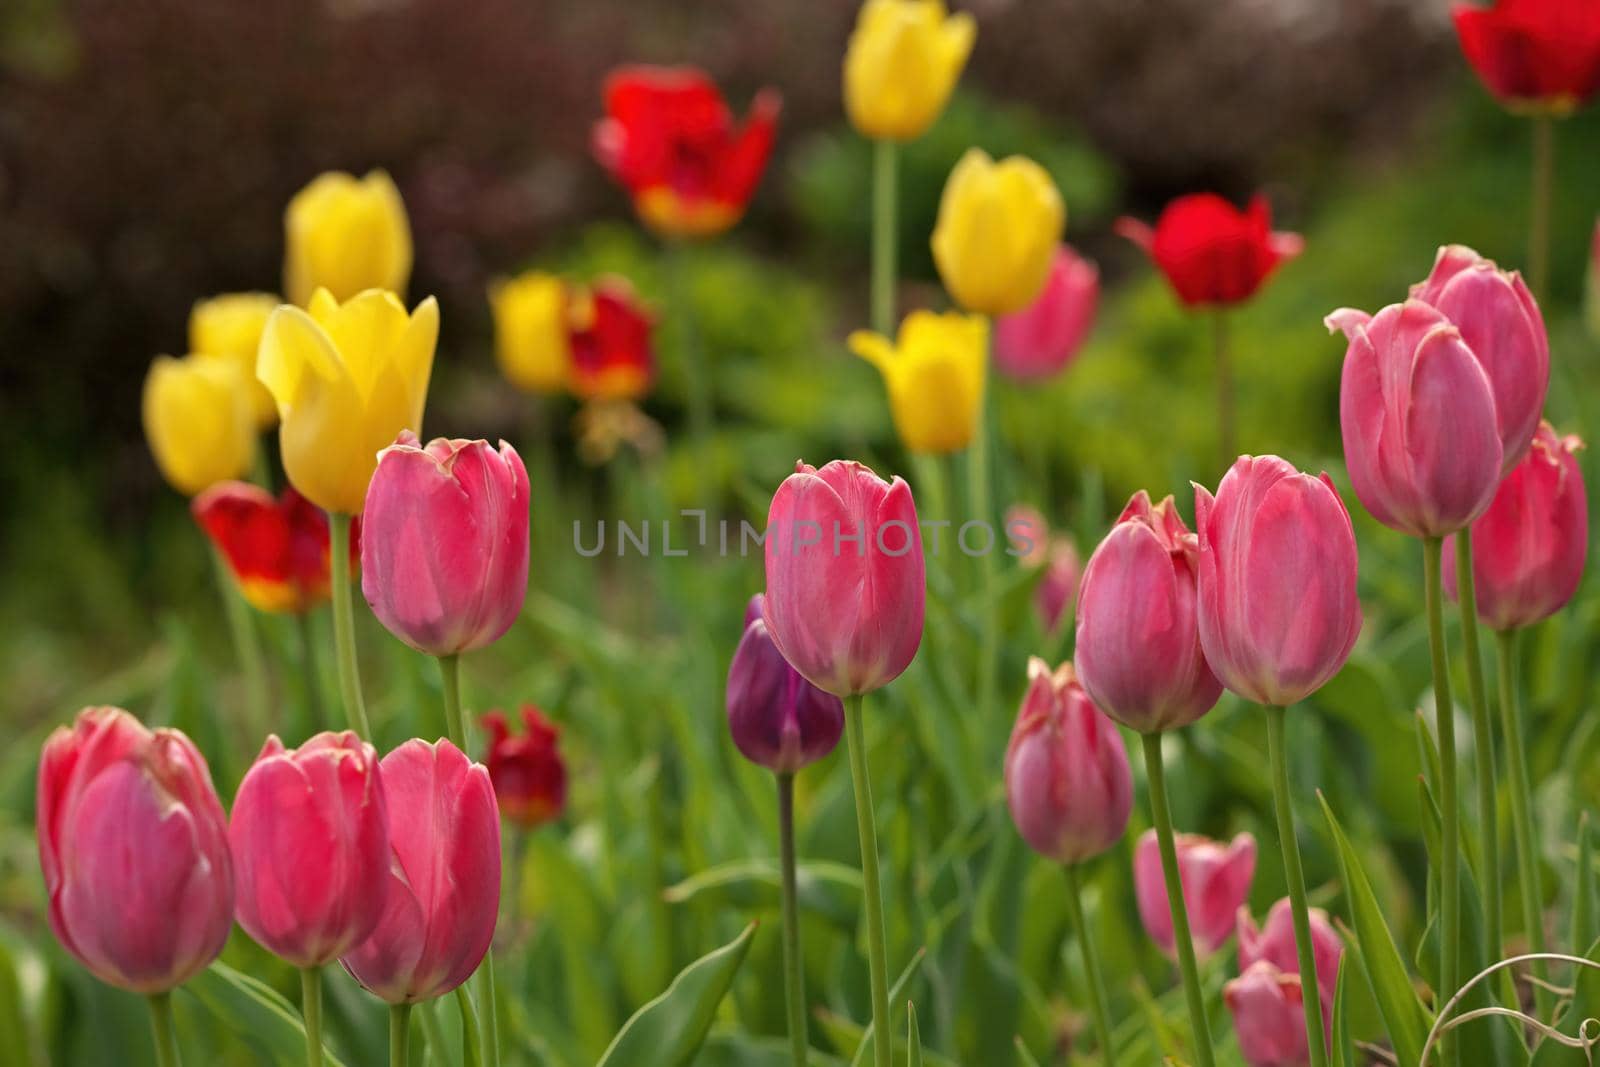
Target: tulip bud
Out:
[444,876]
[444,543]
[1528,549]
[1067,779]
[935,375]
[530,331]
[346,235]
[1041,339]
[845,578]
[1213,254]
[1216,881]
[1138,644]
[198,420]
[311,846]
[778,719]
[997,232]
[1277,586]
[1275,945]
[529,775]
[347,378]
[903,60]
[275,548]
[1269,1017]
[609,341]
[1536,56]
[229,327]
[134,849]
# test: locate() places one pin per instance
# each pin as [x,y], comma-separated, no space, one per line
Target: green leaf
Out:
[1584,929]
[831,890]
[668,1031]
[913,1037]
[1585,1006]
[1344,1054]
[896,991]
[728,1048]
[14,1035]
[256,1012]
[1024,1057]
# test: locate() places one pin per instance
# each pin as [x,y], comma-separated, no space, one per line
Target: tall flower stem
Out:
[166,1036]
[1161,813]
[794,974]
[1450,846]
[344,625]
[450,684]
[1279,757]
[877,954]
[1091,966]
[246,648]
[308,668]
[1226,443]
[885,197]
[981,502]
[1544,166]
[696,365]
[1483,745]
[399,1035]
[471,1037]
[311,1010]
[1525,830]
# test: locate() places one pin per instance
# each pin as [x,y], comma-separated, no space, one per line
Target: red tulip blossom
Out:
[276,548]
[1212,253]
[1534,55]
[609,337]
[529,775]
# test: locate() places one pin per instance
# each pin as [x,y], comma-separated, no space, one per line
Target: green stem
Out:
[696,364]
[491,1010]
[877,954]
[308,668]
[1544,165]
[450,682]
[432,1031]
[1224,370]
[1182,940]
[311,1010]
[344,625]
[1483,745]
[246,649]
[399,1035]
[166,1035]
[1450,846]
[1524,829]
[794,974]
[1276,753]
[983,512]
[885,194]
[471,1037]
[1091,965]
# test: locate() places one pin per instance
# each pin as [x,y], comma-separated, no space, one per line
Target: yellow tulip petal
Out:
[295,348]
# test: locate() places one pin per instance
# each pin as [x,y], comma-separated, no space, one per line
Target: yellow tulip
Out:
[229,327]
[530,331]
[346,235]
[997,232]
[198,421]
[347,378]
[935,373]
[901,64]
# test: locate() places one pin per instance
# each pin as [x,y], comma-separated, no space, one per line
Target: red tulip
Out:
[444,877]
[1274,944]
[845,578]
[1277,591]
[529,775]
[1269,1017]
[777,718]
[276,549]
[1040,340]
[669,138]
[134,848]
[1528,549]
[1216,880]
[1538,55]
[609,341]
[311,845]
[444,545]
[1212,253]
[1138,648]
[1067,779]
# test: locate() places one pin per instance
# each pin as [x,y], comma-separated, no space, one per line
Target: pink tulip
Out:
[1528,549]
[444,542]
[1277,593]
[1138,647]
[311,845]
[444,879]
[1029,538]
[1274,943]
[1269,1016]
[1041,339]
[845,581]
[134,848]
[777,718]
[1067,777]
[1500,322]
[1216,880]
[1417,411]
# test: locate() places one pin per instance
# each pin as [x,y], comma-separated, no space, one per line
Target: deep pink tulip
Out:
[1216,881]
[1417,411]
[311,847]
[1274,943]
[1278,608]
[1138,649]
[1528,549]
[1067,778]
[444,542]
[134,848]
[444,879]
[1041,339]
[1269,1016]
[778,719]
[845,579]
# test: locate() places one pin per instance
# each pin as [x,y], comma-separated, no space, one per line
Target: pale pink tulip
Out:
[1216,880]
[1041,339]
[1274,943]
[1269,1016]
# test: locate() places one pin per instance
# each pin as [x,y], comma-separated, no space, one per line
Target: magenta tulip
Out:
[778,719]
[311,847]
[1277,591]
[444,542]
[1216,880]
[1138,648]
[1528,549]
[444,877]
[845,580]
[134,848]
[1269,1016]
[1274,943]
[1041,339]
[1067,779]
